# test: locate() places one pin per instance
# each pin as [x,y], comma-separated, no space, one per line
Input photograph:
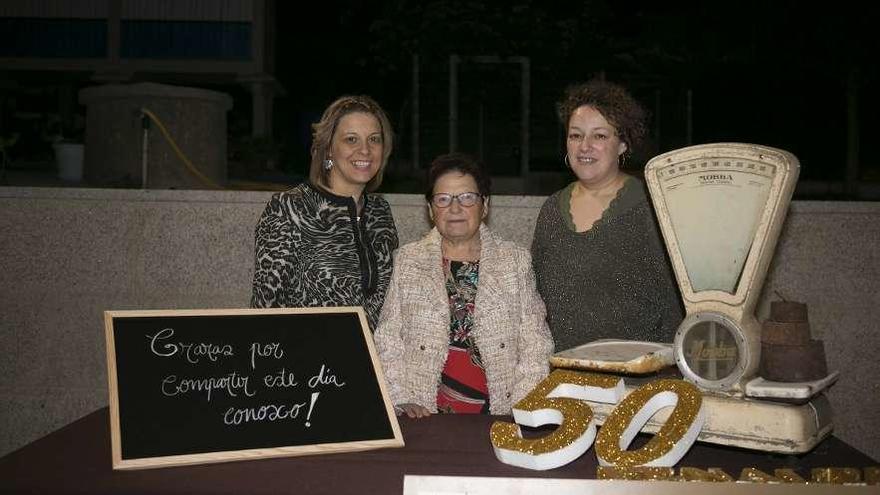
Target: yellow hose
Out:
[189,165]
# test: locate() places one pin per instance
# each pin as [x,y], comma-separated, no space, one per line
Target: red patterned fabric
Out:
[463,386]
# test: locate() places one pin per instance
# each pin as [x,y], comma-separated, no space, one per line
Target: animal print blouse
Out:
[312,249]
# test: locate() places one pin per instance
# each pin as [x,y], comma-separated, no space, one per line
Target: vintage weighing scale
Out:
[721,208]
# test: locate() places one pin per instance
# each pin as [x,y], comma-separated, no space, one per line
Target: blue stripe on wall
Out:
[53,38]
[186,40]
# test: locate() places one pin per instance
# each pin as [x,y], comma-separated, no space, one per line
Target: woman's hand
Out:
[413,410]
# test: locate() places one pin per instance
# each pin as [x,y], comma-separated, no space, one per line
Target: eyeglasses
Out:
[444,200]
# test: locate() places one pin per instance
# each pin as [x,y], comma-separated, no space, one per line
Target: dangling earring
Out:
[623,159]
[567,165]
[328,164]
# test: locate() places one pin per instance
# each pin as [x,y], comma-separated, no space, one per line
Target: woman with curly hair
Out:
[600,264]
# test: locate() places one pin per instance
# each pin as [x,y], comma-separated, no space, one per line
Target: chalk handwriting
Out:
[271,350]
[232,384]
[191,351]
[267,412]
[312,408]
[325,377]
[283,379]
[235,384]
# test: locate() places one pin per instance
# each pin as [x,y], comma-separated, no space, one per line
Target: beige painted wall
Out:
[66,255]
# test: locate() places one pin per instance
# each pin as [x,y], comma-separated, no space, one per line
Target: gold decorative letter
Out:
[872,475]
[836,476]
[789,476]
[755,475]
[697,474]
[673,440]
[636,473]
[556,400]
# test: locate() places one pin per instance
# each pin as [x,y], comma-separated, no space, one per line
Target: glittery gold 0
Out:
[755,475]
[673,440]
[556,400]
[872,475]
[697,474]
[836,476]
[635,473]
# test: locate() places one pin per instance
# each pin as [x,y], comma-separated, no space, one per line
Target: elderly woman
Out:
[328,241]
[599,261]
[463,329]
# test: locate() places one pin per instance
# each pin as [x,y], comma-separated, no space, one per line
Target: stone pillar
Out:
[194,118]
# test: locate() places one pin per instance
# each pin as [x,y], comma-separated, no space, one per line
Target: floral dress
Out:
[463,386]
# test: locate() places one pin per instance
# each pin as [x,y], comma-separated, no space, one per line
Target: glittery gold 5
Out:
[673,440]
[556,400]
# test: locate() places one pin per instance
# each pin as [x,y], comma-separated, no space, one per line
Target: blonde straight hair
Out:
[322,136]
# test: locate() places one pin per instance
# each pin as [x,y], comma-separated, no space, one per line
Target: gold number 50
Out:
[559,400]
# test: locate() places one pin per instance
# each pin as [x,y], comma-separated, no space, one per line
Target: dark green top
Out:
[612,281]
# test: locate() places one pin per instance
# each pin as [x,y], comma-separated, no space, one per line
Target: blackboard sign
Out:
[201,386]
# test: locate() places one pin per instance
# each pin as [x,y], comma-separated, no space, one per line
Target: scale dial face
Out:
[715,206]
[711,350]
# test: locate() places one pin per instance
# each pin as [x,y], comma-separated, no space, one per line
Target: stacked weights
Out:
[788,354]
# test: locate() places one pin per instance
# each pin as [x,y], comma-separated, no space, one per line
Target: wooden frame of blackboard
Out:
[394,439]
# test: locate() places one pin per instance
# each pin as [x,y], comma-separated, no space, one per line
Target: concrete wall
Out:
[66,255]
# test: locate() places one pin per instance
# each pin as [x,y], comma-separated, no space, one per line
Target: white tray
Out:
[616,356]
[760,387]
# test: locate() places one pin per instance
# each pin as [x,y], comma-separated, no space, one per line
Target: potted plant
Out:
[69,150]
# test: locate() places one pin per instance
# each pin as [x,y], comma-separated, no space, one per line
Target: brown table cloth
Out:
[77,459]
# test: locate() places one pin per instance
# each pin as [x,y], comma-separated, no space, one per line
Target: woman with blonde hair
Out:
[328,241]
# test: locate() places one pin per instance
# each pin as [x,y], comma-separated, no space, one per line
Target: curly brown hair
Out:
[614,102]
[322,135]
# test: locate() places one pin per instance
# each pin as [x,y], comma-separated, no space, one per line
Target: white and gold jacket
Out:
[510,328]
